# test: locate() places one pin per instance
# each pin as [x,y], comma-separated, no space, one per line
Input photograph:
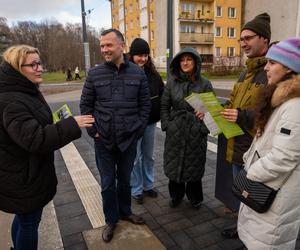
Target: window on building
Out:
[130,8]
[231,12]
[188,7]
[131,24]
[152,35]
[202,30]
[231,32]
[151,16]
[187,28]
[230,51]
[137,21]
[218,51]
[219,11]
[218,31]
[202,8]
[152,53]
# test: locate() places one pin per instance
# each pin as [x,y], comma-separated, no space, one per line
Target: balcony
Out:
[196,38]
[196,16]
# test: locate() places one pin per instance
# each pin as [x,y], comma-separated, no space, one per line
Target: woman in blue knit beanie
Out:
[274,156]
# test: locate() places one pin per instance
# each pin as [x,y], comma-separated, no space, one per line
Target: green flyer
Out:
[62,113]
[213,119]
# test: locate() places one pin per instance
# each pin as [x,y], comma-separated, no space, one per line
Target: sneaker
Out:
[196,204]
[139,199]
[151,193]
[174,202]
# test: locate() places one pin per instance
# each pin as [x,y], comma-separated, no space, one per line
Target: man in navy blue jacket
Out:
[116,94]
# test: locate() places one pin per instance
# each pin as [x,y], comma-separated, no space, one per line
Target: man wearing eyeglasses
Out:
[254,41]
[116,93]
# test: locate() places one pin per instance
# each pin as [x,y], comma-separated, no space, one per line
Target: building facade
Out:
[285,16]
[135,18]
[212,27]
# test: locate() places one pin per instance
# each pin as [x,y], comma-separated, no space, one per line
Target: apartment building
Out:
[135,18]
[285,16]
[212,27]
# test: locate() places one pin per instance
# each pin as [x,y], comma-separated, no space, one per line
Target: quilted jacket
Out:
[119,100]
[186,135]
[271,159]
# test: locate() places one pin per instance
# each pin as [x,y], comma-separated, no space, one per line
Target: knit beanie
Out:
[260,25]
[138,47]
[286,53]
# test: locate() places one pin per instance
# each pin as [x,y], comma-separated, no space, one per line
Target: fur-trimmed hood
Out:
[286,90]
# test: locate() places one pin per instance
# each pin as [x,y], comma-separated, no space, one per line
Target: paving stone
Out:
[167,218]
[164,237]
[208,239]
[62,198]
[198,230]
[222,223]
[73,239]
[80,246]
[183,240]
[202,217]
[150,221]
[177,225]
[74,225]
[70,210]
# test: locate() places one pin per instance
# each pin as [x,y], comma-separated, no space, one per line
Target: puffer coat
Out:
[271,159]
[28,139]
[186,135]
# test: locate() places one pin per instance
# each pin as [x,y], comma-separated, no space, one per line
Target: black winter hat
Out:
[260,25]
[138,47]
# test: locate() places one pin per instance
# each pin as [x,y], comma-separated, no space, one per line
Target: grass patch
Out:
[60,77]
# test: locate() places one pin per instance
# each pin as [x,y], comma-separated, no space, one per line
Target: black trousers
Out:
[193,190]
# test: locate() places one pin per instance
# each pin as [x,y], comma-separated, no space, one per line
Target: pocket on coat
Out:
[131,88]
[103,90]
[103,123]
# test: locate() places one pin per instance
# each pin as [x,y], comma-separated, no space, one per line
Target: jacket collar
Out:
[123,65]
[12,80]
[255,63]
[286,90]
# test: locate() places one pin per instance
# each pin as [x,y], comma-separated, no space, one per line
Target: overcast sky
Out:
[62,10]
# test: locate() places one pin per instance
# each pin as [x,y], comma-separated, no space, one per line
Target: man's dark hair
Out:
[117,32]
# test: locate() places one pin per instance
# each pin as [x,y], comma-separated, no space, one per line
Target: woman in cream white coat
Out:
[274,155]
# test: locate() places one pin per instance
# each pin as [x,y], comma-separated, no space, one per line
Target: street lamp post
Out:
[169,34]
[86,48]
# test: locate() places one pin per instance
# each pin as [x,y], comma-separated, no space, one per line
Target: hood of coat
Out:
[175,63]
[286,90]
[12,80]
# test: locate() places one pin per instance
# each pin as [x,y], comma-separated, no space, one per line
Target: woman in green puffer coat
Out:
[186,134]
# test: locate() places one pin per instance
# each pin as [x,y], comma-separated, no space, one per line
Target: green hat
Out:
[260,25]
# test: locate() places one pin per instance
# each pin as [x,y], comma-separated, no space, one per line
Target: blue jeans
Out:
[236,168]
[24,230]
[142,177]
[115,169]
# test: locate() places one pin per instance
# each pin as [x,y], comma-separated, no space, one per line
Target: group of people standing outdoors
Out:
[121,102]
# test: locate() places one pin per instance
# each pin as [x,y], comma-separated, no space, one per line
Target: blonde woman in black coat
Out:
[28,139]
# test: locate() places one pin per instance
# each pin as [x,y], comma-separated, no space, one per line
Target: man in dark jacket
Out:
[116,93]
[254,41]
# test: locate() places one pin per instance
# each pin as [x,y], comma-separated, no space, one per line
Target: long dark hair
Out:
[149,65]
[264,109]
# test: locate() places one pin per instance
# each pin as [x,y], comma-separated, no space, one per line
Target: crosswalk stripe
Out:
[85,183]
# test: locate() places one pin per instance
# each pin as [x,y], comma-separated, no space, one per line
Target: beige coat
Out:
[279,155]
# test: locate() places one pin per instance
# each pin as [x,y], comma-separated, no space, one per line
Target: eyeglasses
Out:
[34,65]
[246,38]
